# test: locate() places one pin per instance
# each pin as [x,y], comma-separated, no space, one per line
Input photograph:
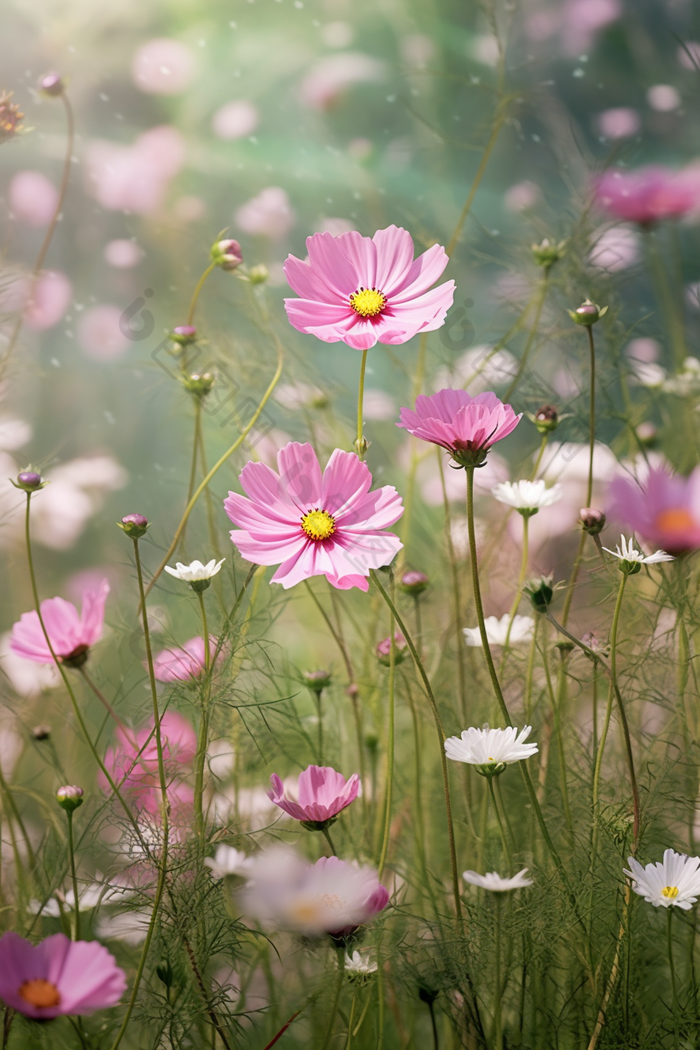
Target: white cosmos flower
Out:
[361,965]
[493,881]
[628,552]
[229,861]
[672,882]
[527,495]
[195,571]
[490,747]
[497,631]
[89,896]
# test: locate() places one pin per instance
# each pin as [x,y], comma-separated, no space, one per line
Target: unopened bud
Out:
[540,592]
[258,274]
[184,334]
[547,252]
[164,972]
[647,435]
[414,582]
[317,681]
[70,797]
[41,732]
[134,526]
[383,649]
[29,481]
[361,445]
[52,84]
[592,520]
[227,254]
[546,419]
[587,313]
[199,385]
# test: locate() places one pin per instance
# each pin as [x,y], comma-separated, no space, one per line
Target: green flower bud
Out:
[70,797]
[540,592]
[547,252]
[134,526]
[587,313]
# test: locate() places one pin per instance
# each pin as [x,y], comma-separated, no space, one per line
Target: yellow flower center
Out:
[670,892]
[676,519]
[367,302]
[312,909]
[318,525]
[40,993]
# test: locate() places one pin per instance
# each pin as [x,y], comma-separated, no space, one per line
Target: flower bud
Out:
[199,385]
[258,274]
[41,732]
[361,445]
[29,481]
[227,254]
[184,334]
[647,435]
[592,520]
[383,649]
[414,582]
[587,313]
[317,681]
[52,85]
[134,525]
[10,117]
[548,252]
[540,592]
[70,797]
[546,419]
[164,972]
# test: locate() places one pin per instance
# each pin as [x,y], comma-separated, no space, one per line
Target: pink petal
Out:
[327,255]
[309,283]
[300,475]
[394,248]
[362,253]
[305,314]
[93,613]
[345,481]
[423,273]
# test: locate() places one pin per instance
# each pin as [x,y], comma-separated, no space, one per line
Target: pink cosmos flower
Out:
[322,794]
[178,665]
[464,425]
[665,510]
[314,524]
[58,976]
[133,762]
[364,290]
[647,195]
[71,634]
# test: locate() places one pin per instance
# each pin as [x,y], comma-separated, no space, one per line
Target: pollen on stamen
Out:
[367,302]
[318,525]
[670,892]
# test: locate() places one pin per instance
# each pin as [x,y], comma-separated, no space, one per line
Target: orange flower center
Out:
[674,520]
[40,993]
[318,525]
[367,302]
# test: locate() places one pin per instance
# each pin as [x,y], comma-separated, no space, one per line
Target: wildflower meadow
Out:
[349,525]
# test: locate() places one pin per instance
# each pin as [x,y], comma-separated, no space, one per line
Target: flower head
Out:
[133,761]
[383,649]
[497,631]
[229,861]
[665,510]
[360,967]
[58,976]
[185,663]
[527,496]
[493,881]
[631,560]
[71,635]
[464,425]
[673,882]
[490,750]
[414,582]
[312,523]
[52,85]
[196,574]
[322,794]
[364,290]
[70,797]
[134,525]
[227,254]
[648,194]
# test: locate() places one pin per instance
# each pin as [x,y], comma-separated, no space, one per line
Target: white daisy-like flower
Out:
[229,861]
[521,631]
[492,881]
[672,882]
[490,749]
[527,496]
[195,572]
[627,552]
[360,965]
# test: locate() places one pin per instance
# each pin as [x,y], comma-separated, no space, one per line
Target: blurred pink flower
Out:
[122,254]
[618,123]
[71,634]
[322,794]
[235,119]
[47,300]
[333,75]
[464,425]
[135,178]
[663,98]
[688,55]
[99,335]
[32,198]
[521,196]
[364,290]
[267,215]
[58,976]
[163,67]
[615,249]
[665,510]
[315,524]
[25,677]
[647,195]
[133,761]
[583,20]
[173,665]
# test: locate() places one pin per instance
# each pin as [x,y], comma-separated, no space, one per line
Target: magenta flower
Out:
[71,634]
[133,761]
[314,524]
[665,510]
[322,794]
[364,290]
[58,976]
[179,665]
[647,195]
[466,426]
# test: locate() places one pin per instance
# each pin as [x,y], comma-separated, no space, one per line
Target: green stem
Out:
[501,828]
[672,968]
[327,836]
[197,290]
[498,123]
[456,592]
[336,1000]
[669,307]
[390,742]
[521,580]
[497,1018]
[591,438]
[73,875]
[608,710]
[360,444]
[202,741]
[544,287]
[540,454]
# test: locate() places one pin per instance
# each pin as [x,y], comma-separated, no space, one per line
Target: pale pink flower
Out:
[32,198]
[235,119]
[648,194]
[464,425]
[133,761]
[322,794]
[135,178]
[71,634]
[665,510]
[619,123]
[122,254]
[163,67]
[268,215]
[364,290]
[333,75]
[173,665]
[48,298]
[312,523]
[99,335]
[58,976]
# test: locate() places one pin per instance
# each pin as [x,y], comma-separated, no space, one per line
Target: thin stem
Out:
[671,966]
[501,828]
[219,463]
[336,1000]
[51,229]
[495,132]
[456,592]
[497,1016]
[540,454]
[544,287]
[351,1019]
[433,1024]
[390,743]
[327,836]
[74,877]
[105,702]
[591,418]
[202,740]
[669,308]
[197,290]
[521,581]
[360,444]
